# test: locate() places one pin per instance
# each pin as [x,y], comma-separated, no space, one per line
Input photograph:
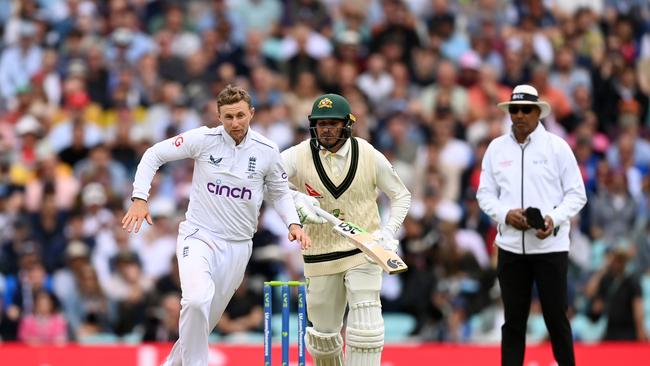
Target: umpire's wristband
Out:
[137,198]
[295,223]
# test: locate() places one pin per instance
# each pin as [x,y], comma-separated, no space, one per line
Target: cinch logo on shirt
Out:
[232,192]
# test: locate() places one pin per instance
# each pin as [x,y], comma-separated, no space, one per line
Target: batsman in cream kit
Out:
[341,174]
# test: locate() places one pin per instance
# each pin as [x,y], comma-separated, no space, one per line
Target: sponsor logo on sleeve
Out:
[178,141]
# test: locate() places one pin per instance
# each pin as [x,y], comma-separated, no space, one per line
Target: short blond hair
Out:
[232,94]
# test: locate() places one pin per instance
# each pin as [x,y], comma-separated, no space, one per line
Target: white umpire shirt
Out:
[228,180]
[542,172]
[387,179]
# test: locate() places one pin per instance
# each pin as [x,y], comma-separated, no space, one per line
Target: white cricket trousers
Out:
[210,271]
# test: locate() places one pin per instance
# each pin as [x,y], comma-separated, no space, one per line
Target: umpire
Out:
[531,168]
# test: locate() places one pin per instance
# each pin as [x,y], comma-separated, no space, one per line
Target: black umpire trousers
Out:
[517,273]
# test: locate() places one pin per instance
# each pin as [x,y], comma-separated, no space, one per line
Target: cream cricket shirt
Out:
[542,173]
[344,182]
[228,180]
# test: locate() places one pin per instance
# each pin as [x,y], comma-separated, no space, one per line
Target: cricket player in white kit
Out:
[341,174]
[233,166]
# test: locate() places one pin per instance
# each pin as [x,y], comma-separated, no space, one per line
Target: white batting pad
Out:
[324,348]
[364,334]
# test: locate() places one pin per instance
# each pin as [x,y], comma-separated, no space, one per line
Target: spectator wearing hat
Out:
[29,147]
[65,282]
[28,131]
[19,62]
[128,38]
[530,167]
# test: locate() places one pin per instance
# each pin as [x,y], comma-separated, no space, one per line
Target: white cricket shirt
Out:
[228,180]
[542,173]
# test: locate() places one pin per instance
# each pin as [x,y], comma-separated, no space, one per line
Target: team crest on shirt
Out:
[312,192]
[325,103]
[252,161]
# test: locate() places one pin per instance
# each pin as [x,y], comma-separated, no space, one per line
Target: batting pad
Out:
[324,348]
[364,334]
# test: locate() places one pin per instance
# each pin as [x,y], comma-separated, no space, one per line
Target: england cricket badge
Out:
[251,167]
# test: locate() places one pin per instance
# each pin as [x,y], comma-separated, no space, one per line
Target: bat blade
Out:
[389,261]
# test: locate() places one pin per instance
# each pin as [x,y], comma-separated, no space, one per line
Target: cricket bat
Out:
[389,261]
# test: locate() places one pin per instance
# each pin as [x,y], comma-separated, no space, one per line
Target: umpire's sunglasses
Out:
[525,109]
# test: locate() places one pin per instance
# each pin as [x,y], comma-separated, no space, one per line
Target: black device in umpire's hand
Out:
[534,218]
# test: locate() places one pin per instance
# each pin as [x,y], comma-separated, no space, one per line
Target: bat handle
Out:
[327,216]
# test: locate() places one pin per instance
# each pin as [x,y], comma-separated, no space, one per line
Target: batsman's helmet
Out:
[330,106]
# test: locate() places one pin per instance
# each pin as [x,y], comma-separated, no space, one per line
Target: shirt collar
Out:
[230,141]
[343,151]
[537,133]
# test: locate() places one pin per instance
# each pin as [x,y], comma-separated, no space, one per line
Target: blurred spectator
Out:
[19,62]
[617,296]
[51,175]
[184,41]
[48,225]
[444,35]
[260,15]
[396,36]
[613,211]
[128,288]
[219,13]
[159,242]
[445,83]
[46,325]
[170,282]
[75,117]
[162,325]
[100,167]
[273,122]
[376,83]
[243,313]
[312,11]
[127,35]
[301,98]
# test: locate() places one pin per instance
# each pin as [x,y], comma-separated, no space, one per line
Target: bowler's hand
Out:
[297,233]
[135,216]
[517,219]
[543,234]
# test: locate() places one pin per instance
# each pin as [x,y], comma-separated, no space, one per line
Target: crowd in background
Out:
[86,86]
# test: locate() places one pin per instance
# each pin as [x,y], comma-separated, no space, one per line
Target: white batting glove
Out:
[306,213]
[384,237]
